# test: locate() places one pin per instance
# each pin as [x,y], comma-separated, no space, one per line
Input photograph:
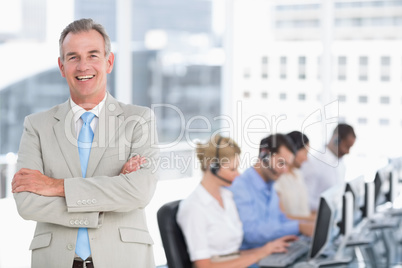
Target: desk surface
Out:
[385,251]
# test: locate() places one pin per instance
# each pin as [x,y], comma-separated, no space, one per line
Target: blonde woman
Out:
[209,218]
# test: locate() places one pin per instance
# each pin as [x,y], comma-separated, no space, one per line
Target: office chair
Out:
[172,236]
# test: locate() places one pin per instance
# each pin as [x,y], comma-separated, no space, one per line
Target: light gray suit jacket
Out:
[109,204]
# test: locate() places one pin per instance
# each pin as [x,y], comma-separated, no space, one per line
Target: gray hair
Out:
[84,25]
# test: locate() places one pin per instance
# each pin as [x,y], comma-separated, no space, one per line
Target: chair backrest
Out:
[172,237]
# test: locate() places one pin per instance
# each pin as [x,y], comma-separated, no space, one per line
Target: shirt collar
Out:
[330,158]
[78,110]
[206,198]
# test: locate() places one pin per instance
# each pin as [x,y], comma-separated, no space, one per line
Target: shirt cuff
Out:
[293,227]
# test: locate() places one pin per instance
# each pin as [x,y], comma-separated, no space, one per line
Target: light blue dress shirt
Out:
[258,206]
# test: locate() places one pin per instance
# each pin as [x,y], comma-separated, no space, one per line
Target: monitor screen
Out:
[357,188]
[326,229]
[385,185]
[368,207]
[393,180]
[346,223]
[397,167]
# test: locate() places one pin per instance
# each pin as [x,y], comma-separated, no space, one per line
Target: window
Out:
[282,96]
[341,98]
[363,99]
[384,100]
[302,67]
[362,120]
[385,68]
[264,67]
[294,23]
[246,73]
[363,68]
[302,97]
[341,68]
[283,67]
[384,121]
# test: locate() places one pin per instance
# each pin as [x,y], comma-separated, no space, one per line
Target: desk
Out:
[385,251]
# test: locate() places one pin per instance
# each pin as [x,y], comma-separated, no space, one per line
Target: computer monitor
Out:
[357,188]
[369,202]
[355,210]
[386,185]
[346,223]
[326,229]
[397,167]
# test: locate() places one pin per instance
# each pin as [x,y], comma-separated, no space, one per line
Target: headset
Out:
[264,156]
[215,165]
[336,141]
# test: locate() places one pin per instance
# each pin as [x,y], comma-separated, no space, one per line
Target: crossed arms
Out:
[43,197]
[28,180]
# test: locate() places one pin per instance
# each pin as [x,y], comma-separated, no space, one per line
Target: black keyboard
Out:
[296,249]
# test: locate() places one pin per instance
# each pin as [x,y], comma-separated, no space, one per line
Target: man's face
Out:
[278,164]
[85,66]
[301,156]
[345,145]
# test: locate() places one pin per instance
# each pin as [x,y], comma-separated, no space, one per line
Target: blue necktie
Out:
[85,138]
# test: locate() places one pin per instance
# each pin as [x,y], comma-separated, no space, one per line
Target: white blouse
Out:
[293,195]
[209,229]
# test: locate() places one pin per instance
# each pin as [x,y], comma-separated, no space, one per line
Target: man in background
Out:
[257,200]
[322,171]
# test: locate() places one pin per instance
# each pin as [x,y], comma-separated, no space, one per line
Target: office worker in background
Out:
[209,218]
[322,171]
[258,202]
[291,188]
[89,213]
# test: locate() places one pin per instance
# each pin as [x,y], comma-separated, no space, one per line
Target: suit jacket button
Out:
[84,202]
[72,222]
[79,202]
[86,222]
[70,246]
[77,222]
[89,201]
[81,222]
[93,201]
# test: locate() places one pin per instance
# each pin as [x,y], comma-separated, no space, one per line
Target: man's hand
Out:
[28,180]
[133,164]
[279,245]
[306,228]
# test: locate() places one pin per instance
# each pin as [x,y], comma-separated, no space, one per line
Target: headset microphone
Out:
[214,171]
[215,165]
[272,170]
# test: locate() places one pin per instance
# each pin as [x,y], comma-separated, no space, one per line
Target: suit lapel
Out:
[106,130]
[64,131]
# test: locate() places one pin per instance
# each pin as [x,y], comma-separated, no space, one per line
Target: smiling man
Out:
[76,165]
